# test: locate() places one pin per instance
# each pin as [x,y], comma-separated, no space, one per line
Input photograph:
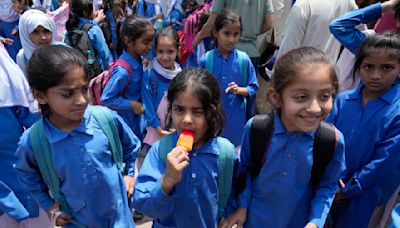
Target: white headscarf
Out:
[14,87]
[7,12]
[45,4]
[28,22]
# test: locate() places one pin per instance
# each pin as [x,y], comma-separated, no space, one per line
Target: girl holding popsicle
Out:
[185,180]
[234,72]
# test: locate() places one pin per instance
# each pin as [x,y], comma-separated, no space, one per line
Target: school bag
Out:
[242,66]
[79,39]
[225,166]
[43,155]
[325,141]
[98,83]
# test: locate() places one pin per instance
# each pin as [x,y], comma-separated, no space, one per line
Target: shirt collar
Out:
[279,128]
[54,134]
[132,61]
[229,55]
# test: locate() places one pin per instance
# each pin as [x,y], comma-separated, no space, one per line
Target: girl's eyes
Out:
[300,98]
[178,109]
[367,67]
[67,94]
[325,97]
[388,68]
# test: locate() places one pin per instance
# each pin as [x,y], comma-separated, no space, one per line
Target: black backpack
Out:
[79,39]
[262,127]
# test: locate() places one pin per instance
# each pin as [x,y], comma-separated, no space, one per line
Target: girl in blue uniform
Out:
[369,117]
[226,68]
[282,194]
[81,14]
[18,111]
[123,91]
[90,181]
[156,80]
[182,191]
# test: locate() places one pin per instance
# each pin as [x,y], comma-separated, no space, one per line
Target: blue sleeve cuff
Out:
[158,193]
[44,200]
[155,123]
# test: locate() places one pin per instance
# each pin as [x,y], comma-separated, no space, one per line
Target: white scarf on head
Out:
[7,13]
[28,22]
[166,73]
[45,4]
[14,87]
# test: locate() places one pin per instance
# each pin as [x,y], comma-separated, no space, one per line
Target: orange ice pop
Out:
[186,139]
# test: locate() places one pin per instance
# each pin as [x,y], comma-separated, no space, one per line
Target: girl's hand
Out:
[238,217]
[232,88]
[7,41]
[100,16]
[311,225]
[162,132]
[56,216]
[14,32]
[389,6]
[129,183]
[177,160]
[137,107]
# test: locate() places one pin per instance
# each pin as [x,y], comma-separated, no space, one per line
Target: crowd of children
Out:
[322,157]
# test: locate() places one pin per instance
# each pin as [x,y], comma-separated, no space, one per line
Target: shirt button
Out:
[193,175]
[194,154]
[284,173]
[289,155]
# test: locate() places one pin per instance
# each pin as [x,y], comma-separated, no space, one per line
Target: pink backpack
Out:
[98,83]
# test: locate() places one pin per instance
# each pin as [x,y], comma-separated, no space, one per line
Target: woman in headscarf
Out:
[36,30]
[18,111]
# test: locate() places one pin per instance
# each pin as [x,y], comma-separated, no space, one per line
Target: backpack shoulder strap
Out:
[86,27]
[107,124]
[260,136]
[325,141]
[225,172]
[243,66]
[210,60]
[166,145]
[123,63]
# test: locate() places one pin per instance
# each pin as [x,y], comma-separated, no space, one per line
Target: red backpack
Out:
[98,83]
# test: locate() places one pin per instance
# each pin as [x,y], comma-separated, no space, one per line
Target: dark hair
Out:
[169,32]
[226,16]
[389,41]
[289,65]
[397,12]
[133,27]
[206,87]
[48,66]
[78,9]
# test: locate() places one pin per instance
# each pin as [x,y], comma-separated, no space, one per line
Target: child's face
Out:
[306,101]
[140,46]
[68,100]
[228,36]
[166,52]
[188,113]
[378,71]
[41,37]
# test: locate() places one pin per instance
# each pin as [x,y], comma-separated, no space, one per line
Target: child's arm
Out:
[150,108]
[130,146]
[251,87]
[10,204]
[100,46]
[386,156]
[111,94]
[344,27]
[326,189]
[149,196]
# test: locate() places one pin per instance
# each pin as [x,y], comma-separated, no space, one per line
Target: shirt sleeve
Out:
[119,79]
[326,190]
[386,156]
[100,46]
[26,118]
[252,82]
[149,198]
[295,28]
[150,108]
[10,204]
[29,174]
[344,28]
[130,144]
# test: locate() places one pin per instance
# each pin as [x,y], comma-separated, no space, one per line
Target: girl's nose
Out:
[81,98]
[375,75]
[187,118]
[314,106]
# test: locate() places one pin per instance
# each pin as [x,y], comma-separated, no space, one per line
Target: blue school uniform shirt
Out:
[344,28]
[112,98]
[113,31]
[98,42]
[14,200]
[154,87]
[89,178]
[372,136]
[176,15]
[281,195]
[149,12]
[227,70]
[193,201]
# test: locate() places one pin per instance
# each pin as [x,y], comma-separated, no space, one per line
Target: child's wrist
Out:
[167,184]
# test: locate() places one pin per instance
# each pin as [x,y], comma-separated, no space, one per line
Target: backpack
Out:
[242,66]
[225,166]
[42,153]
[79,39]
[325,141]
[98,83]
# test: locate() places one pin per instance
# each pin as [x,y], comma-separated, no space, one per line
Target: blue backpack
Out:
[44,158]
[225,166]
[242,66]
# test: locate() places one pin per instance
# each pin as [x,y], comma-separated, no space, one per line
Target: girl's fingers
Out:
[63,219]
